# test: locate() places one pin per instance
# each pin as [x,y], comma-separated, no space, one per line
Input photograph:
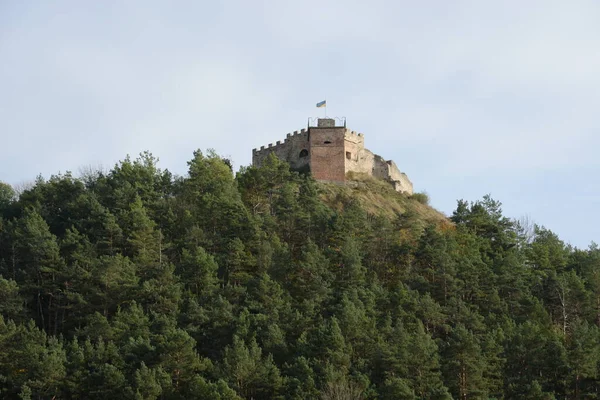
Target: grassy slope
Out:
[379,198]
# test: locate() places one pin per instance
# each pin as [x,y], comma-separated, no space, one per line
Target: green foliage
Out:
[11,303]
[7,195]
[421,197]
[135,284]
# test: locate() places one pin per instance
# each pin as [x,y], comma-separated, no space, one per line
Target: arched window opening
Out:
[349,155]
[304,153]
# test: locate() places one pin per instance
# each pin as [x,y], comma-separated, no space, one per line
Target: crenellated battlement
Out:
[353,133]
[354,137]
[296,134]
[290,137]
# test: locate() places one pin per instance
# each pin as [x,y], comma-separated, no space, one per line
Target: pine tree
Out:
[11,303]
[40,269]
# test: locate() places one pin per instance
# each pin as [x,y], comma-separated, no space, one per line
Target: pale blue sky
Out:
[468,97]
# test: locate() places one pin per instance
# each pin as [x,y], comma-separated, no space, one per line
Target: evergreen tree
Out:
[136,284]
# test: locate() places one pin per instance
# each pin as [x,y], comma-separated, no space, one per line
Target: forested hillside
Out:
[137,284]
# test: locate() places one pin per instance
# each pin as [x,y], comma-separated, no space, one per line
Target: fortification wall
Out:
[399,179]
[387,170]
[330,152]
[327,153]
[380,168]
[358,159]
[354,137]
[363,163]
[290,150]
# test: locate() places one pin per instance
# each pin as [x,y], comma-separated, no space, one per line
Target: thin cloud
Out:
[467,97]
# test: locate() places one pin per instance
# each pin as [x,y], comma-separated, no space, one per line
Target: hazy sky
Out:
[467,97]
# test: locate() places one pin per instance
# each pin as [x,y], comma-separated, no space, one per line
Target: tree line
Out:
[138,284]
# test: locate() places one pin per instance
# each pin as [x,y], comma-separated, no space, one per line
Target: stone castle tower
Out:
[329,152]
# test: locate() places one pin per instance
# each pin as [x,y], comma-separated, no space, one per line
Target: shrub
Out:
[421,197]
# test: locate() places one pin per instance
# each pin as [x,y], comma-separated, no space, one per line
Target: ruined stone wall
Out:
[399,179]
[327,153]
[291,150]
[380,168]
[358,159]
[388,171]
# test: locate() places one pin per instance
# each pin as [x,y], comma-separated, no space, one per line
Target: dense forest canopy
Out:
[137,284]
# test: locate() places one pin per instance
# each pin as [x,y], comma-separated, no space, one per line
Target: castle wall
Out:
[387,170]
[358,159]
[381,169]
[399,179]
[289,150]
[364,164]
[327,153]
[330,152]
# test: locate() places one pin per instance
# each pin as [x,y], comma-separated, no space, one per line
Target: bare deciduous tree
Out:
[342,390]
[526,228]
[90,172]
[23,186]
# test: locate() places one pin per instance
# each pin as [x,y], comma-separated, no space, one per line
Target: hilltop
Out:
[378,197]
[266,284]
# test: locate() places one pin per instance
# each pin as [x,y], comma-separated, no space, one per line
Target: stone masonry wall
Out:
[327,153]
[290,150]
[358,159]
[387,170]
[399,179]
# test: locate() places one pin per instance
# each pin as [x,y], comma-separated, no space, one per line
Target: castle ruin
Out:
[329,152]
